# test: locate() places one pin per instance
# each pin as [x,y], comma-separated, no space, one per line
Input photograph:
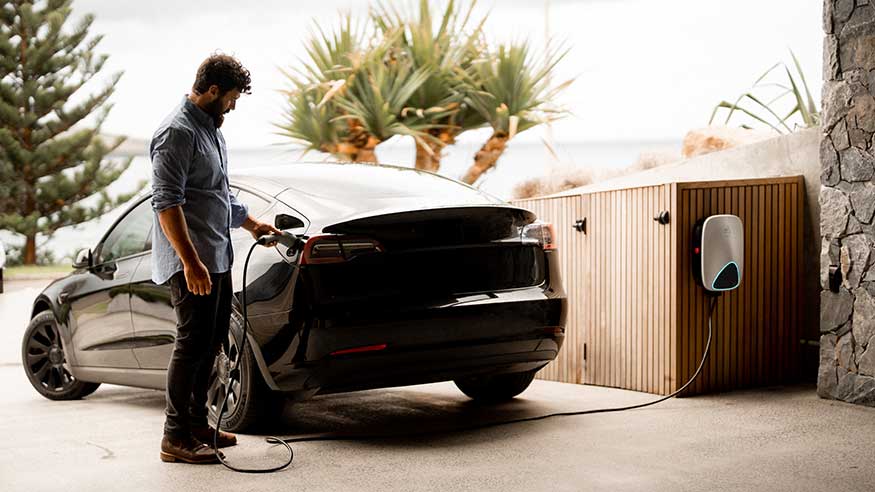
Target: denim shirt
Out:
[190,168]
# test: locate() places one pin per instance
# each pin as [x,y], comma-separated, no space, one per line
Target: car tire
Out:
[497,387]
[252,402]
[45,363]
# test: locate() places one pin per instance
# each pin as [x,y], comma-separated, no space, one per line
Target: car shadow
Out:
[393,416]
[399,416]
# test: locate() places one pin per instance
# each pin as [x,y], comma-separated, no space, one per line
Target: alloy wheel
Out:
[226,371]
[45,359]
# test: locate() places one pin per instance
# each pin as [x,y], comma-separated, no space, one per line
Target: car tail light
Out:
[337,249]
[543,232]
[358,350]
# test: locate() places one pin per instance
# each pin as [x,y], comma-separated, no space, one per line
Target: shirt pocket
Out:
[206,170]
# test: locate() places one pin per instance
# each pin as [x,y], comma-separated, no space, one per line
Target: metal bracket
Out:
[835,278]
[580,225]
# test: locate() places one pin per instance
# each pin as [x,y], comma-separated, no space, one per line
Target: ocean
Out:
[521,161]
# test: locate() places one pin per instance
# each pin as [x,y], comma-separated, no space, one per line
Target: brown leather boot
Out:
[188,450]
[205,435]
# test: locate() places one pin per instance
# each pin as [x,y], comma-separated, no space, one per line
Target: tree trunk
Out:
[30,250]
[425,161]
[432,161]
[366,155]
[486,158]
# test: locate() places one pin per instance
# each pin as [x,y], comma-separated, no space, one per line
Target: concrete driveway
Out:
[771,439]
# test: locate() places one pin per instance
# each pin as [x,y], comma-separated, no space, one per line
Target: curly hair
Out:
[223,71]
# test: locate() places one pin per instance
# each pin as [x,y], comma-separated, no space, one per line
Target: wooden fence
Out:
[637,320]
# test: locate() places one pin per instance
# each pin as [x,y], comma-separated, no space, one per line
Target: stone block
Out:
[862,113]
[847,381]
[829,163]
[839,135]
[835,208]
[827,377]
[856,51]
[859,25]
[842,10]
[828,9]
[863,391]
[855,254]
[866,361]
[864,315]
[836,103]
[856,165]
[854,226]
[859,138]
[862,196]
[831,67]
[844,353]
[835,309]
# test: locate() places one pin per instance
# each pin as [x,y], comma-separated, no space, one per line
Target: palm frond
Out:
[766,107]
[508,83]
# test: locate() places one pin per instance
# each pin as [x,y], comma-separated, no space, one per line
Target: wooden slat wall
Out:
[629,342]
[562,212]
[634,305]
[756,330]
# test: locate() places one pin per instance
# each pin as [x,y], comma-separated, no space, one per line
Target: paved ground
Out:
[771,439]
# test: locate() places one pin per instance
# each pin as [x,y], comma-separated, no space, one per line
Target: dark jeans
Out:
[201,327]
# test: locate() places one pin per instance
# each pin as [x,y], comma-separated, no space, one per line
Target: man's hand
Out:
[258,229]
[197,278]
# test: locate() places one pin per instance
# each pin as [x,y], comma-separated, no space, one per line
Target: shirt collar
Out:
[199,114]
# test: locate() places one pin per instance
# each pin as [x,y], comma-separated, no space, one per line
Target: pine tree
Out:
[54,169]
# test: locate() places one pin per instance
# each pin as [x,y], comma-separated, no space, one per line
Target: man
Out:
[191,248]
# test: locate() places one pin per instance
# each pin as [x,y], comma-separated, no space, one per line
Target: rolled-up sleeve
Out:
[171,152]
[239,212]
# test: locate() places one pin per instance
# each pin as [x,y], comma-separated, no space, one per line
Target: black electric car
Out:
[406,277]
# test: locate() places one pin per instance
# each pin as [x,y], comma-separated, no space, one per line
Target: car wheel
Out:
[496,388]
[45,363]
[250,401]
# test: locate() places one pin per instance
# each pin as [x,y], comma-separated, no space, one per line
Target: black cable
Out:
[329,437]
[271,439]
[361,437]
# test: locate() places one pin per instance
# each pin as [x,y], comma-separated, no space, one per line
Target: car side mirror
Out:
[83,259]
[285,221]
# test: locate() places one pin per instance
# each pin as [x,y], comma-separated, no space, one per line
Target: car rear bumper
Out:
[376,370]
[498,332]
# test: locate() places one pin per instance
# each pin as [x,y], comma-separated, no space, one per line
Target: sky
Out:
[644,70]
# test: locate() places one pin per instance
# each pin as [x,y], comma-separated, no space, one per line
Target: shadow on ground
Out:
[398,415]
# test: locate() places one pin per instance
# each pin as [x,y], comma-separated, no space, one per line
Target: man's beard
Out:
[214,109]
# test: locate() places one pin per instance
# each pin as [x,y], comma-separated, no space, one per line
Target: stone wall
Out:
[847,198]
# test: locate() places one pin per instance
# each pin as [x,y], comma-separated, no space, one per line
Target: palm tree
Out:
[512,94]
[333,61]
[436,106]
[402,73]
[374,101]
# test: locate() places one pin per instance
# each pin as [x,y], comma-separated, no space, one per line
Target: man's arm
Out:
[197,277]
[240,218]
[171,155]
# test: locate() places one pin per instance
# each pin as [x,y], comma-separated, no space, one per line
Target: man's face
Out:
[222,104]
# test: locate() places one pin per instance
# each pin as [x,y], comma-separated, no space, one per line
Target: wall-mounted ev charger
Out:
[718,253]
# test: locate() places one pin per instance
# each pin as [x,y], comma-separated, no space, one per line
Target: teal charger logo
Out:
[728,277]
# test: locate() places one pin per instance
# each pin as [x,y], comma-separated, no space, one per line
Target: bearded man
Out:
[191,248]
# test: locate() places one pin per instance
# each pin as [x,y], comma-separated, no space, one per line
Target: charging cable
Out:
[330,437]
[292,242]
